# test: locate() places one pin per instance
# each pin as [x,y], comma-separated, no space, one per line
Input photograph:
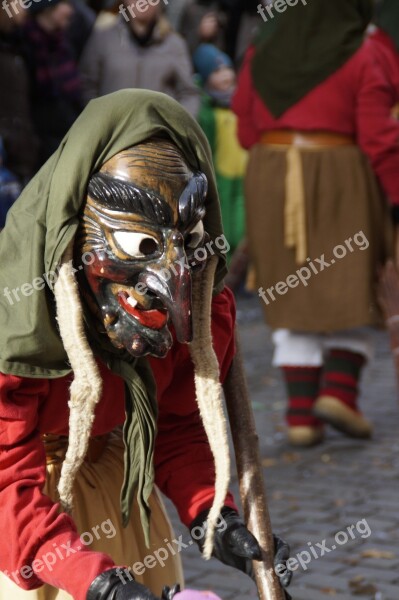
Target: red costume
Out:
[31,522]
[330,107]
[388,59]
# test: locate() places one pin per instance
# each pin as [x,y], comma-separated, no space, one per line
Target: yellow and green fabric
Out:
[230,160]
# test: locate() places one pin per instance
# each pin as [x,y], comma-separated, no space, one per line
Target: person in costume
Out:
[107,368]
[218,80]
[316,114]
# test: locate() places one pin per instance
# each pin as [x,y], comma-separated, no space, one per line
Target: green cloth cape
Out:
[40,226]
[301,47]
[387,19]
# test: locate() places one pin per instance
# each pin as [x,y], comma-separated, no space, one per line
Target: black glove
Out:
[169,593]
[118,584]
[281,555]
[235,546]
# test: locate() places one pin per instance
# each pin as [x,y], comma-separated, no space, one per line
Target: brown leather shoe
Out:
[337,414]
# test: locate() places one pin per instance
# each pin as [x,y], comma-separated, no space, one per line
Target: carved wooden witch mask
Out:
[141,224]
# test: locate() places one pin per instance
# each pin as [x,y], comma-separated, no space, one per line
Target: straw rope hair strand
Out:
[209,394]
[85,390]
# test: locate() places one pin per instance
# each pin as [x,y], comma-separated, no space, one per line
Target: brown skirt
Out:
[347,226]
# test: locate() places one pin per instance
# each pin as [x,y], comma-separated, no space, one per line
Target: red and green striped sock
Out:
[341,376]
[303,388]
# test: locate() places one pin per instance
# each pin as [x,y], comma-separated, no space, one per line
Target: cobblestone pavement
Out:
[316,493]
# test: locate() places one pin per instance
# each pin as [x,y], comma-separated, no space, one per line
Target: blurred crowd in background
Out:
[244,69]
[57,55]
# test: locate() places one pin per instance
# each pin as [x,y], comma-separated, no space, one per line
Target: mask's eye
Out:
[195,236]
[137,245]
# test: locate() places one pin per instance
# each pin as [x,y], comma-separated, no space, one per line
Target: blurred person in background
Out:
[204,21]
[228,24]
[140,50]
[16,126]
[218,80]
[108,15]
[56,92]
[174,11]
[242,26]
[316,114]
[80,27]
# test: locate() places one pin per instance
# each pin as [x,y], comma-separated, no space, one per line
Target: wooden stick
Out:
[250,476]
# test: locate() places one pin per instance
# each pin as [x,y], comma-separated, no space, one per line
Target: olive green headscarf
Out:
[39,228]
[298,49]
[387,19]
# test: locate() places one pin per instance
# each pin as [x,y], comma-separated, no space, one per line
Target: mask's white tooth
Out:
[132,301]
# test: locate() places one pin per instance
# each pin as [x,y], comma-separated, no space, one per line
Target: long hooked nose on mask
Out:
[170,281]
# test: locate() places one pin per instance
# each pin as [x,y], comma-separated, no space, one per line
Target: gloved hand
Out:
[235,546]
[116,584]
[169,593]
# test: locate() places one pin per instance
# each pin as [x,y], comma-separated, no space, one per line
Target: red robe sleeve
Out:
[377,132]
[184,466]
[43,545]
[387,57]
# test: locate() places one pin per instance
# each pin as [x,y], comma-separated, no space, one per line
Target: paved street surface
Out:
[316,493]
